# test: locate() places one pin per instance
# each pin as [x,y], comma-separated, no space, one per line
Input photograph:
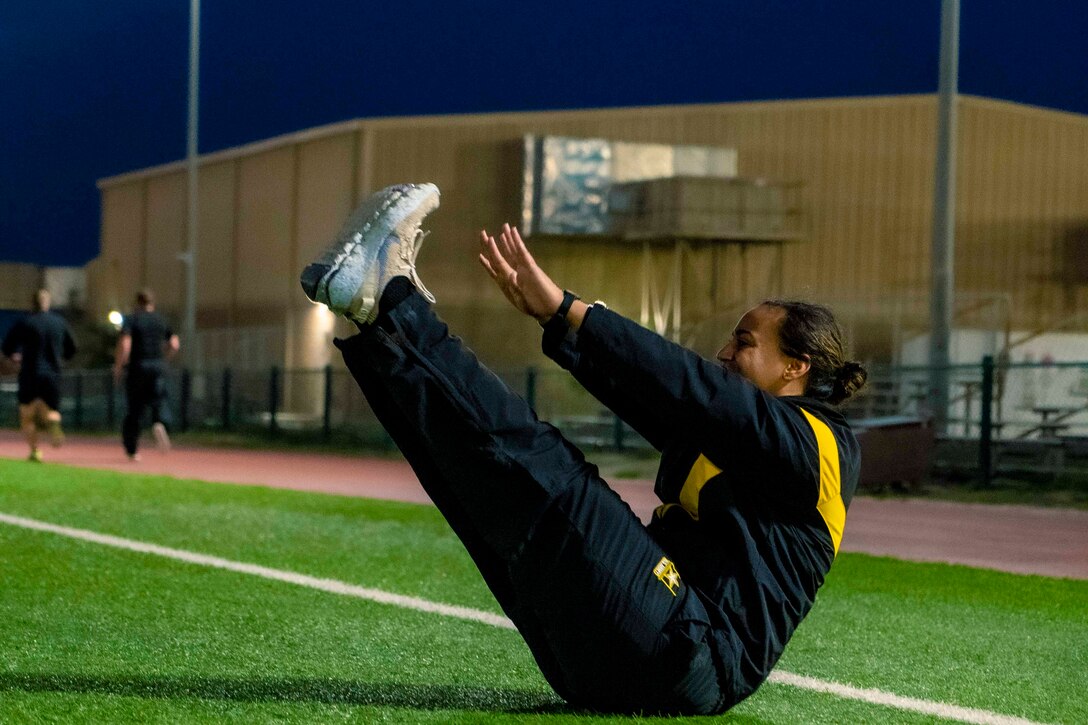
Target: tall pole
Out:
[191,159]
[942,296]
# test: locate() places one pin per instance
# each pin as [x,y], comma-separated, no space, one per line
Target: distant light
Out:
[116,318]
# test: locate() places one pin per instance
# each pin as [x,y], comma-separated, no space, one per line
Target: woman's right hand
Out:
[516,273]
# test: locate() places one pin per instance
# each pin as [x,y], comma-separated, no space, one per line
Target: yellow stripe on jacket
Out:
[701,472]
[830,504]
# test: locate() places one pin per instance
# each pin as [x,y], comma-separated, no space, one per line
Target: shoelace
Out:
[410,260]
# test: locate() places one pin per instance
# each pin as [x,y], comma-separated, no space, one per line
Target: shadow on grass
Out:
[314,690]
[331,691]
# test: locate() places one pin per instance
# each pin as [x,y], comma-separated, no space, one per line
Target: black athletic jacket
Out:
[44,340]
[754,487]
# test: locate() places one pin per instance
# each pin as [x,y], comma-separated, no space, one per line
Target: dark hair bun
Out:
[849,379]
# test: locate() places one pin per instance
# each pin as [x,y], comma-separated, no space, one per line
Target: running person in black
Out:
[686,615]
[39,343]
[145,343]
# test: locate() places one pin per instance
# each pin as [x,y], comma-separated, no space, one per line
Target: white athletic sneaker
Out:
[381,240]
[162,438]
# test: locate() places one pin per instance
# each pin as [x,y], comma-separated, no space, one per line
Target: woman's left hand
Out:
[522,281]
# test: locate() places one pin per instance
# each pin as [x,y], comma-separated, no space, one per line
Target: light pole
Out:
[942,294]
[189,258]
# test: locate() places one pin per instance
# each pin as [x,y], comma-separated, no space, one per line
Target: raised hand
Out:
[516,273]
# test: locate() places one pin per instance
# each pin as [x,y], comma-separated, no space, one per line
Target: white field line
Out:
[877,697]
[325,585]
[888,699]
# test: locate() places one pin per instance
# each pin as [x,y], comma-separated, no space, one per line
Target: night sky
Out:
[92,89]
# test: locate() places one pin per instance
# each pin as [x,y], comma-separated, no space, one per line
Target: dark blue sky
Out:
[93,89]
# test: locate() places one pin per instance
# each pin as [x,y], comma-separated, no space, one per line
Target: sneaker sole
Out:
[393,210]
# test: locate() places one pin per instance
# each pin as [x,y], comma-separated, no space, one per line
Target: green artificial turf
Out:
[90,633]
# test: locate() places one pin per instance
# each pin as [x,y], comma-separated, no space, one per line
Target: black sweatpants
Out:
[145,387]
[566,558]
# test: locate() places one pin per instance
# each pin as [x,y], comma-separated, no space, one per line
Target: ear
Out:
[797,367]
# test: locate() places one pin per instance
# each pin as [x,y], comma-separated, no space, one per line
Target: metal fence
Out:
[996,412]
[1028,400]
[314,404]
[1007,419]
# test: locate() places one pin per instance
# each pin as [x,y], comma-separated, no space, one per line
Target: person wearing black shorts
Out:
[145,344]
[39,343]
[686,615]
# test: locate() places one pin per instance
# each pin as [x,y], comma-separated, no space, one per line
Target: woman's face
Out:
[754,353]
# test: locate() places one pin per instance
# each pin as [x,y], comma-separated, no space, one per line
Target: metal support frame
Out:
[661,306]
[658,306]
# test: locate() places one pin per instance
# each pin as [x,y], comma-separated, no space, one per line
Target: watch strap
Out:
[564,306]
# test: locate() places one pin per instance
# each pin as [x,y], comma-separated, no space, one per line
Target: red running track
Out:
[1019,539]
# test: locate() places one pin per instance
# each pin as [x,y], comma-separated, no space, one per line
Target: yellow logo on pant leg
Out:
[666,572]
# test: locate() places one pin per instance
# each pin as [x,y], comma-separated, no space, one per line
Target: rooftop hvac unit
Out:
[620,190]
[567,181]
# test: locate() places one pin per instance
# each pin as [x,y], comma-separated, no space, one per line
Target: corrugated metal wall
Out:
[20,282]
[1024,210]
[865,165]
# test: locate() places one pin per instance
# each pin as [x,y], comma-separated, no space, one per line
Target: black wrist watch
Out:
[564,306]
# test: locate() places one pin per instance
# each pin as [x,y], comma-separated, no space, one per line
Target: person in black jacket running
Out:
[145,345]
[38,343]
[686,615]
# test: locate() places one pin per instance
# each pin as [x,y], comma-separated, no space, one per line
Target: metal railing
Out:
[1039,409]
[1011,419]
[315,403]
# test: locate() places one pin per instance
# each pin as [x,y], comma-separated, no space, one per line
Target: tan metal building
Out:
[864,166]
[18,283]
